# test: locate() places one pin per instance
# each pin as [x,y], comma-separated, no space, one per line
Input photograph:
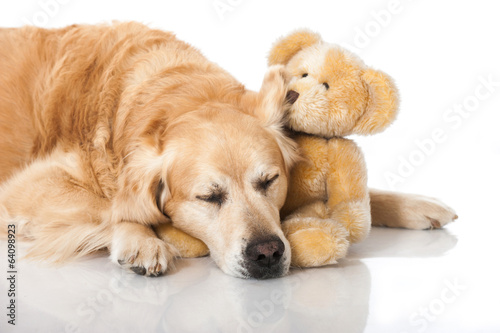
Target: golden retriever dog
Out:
[107,131]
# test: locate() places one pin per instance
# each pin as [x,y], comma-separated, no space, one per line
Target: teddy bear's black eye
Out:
[305,75]
[327,86]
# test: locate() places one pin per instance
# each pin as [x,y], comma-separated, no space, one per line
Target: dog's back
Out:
[39,68]
[63,87]
[22,59]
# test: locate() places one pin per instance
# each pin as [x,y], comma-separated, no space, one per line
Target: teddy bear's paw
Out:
[316,242]
[186,245]
[420,212]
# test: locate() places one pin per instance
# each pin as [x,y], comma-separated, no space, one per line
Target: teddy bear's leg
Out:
[314,239]
[348,200]
[188,246]
[401,210]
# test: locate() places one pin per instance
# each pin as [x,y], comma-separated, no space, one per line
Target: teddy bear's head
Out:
[333,93]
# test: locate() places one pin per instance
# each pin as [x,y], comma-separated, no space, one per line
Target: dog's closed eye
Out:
[263,184]
[217,198]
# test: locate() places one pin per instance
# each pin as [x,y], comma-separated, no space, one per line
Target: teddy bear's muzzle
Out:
[291,96]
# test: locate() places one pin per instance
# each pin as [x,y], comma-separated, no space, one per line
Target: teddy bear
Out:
[332,94]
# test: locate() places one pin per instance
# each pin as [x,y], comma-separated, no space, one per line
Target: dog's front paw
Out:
[136,247]
[315,242]
[148,256]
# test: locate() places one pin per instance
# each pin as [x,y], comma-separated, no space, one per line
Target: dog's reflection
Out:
[198,297]
[328,299]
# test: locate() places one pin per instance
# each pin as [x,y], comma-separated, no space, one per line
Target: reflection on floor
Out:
[396,281]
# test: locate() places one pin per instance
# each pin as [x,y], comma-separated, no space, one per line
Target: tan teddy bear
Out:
[334,94]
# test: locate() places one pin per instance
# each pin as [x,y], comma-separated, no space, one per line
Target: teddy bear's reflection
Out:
[393,242]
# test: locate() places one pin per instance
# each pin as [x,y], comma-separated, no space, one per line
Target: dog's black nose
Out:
[265,253]
[291,96]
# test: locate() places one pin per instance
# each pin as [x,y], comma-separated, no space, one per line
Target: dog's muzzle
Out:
[263,258]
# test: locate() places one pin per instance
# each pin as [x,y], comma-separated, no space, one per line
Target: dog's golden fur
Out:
[86,114]
[108,130]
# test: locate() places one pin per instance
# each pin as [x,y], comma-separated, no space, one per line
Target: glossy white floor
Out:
[396,281]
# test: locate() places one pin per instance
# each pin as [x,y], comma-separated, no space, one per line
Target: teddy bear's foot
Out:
[315,242]
[186,245]
[355,217]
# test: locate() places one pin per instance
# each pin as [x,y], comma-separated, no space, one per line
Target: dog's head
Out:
[225,179]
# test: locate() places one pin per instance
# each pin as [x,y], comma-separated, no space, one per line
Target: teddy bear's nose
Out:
[291,96]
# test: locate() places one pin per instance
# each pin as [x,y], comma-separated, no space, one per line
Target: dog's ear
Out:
[142,188]
[382,105]
[270,110]
[286,47]
[161,193]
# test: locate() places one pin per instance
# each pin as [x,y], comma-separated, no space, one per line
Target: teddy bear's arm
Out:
[188,246]
[347,192]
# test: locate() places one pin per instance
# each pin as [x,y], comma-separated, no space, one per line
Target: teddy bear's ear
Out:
[286,47]
[382,105]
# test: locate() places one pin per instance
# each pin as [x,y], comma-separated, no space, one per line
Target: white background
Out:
[439,53]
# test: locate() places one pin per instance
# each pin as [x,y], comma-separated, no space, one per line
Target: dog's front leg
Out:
[136,247]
